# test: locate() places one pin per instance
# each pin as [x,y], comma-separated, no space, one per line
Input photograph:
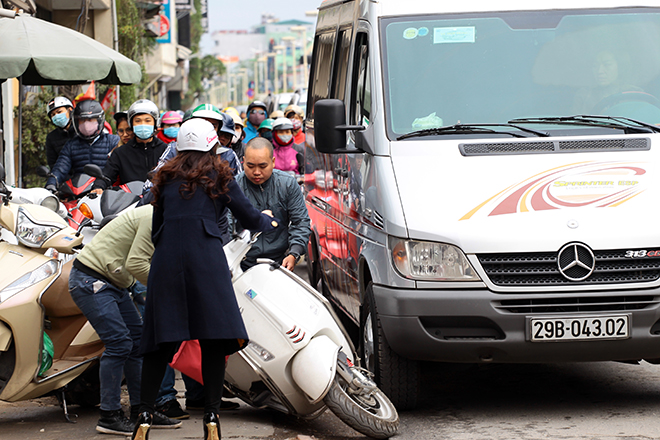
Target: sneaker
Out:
[172,410]
[161,421]
[114,422]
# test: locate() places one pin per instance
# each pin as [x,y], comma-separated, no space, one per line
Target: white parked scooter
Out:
[300,359]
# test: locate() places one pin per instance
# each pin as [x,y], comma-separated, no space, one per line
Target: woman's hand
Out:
[268,212]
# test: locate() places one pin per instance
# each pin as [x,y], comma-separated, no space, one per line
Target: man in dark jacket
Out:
[133,160]
[60,112]
[90,145]
[278,191]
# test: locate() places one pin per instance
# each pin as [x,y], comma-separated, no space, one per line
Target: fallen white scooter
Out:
[300,359]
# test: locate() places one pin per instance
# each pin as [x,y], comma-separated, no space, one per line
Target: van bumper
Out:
[472,326]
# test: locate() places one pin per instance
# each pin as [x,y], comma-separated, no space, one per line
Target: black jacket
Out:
[132,161]
[55,141]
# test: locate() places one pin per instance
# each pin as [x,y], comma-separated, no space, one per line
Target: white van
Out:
[483,184]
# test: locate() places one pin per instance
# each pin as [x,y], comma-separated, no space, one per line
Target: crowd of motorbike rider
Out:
[201,167]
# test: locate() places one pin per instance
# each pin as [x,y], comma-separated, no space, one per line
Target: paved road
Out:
[600,401]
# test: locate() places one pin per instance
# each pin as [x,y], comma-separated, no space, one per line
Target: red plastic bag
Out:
[188,360]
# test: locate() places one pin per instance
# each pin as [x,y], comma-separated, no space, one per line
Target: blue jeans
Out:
[194,389]
[111,312]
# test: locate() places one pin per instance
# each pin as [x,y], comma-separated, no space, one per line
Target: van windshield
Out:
[491,68]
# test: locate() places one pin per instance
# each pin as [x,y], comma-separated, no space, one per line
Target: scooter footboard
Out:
[314,367]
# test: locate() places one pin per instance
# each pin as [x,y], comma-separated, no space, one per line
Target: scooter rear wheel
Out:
[371,414]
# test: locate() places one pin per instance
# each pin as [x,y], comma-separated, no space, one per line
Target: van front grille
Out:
[541,269]
[577,304]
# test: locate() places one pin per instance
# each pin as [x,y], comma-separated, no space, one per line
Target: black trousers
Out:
[213,373]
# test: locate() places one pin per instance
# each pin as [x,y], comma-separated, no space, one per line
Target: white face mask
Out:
[284,138]
[234,139]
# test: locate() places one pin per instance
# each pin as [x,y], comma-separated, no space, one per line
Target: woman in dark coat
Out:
[190,294]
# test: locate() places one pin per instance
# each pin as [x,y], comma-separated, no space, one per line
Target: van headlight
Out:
[31,233]
[425,260]
[44,271]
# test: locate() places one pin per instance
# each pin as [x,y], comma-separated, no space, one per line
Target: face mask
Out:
[256,117]
[171,132]
[144,132]
[61,120]
[234,139]
[267,135]
[284,139]
[88,127]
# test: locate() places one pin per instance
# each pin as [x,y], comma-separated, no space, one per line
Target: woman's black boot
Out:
[211,427]
[141,430]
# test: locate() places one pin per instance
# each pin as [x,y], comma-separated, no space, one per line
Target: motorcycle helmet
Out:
[196,135]
[256,104]
[171,117]
[292,110]
[140,107]
[282,124]
[57,102]
[207,111]
[88,119]
[227,124]
[237,119]
[276,114]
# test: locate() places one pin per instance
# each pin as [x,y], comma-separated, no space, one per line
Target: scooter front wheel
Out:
[368,411]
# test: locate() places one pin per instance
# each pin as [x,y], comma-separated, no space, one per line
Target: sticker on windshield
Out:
[464,34]
[410,33]
[423,31]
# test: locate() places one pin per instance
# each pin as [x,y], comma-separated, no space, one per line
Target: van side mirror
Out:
[330,126]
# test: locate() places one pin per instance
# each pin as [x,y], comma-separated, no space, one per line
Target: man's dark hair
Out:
[259,143]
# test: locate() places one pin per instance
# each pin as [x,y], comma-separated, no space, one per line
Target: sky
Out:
[243,14]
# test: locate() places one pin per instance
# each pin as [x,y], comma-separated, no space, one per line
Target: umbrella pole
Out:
[20,132]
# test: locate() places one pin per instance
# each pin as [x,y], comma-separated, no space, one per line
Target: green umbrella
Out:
[43,53]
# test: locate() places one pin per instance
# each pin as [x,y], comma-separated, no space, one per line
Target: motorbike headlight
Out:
[39,274]
[429,261]
[51,202]
[31,233]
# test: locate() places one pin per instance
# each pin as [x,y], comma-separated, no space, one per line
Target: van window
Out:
[320,74]
[491,68]
[343,50]
[361,102]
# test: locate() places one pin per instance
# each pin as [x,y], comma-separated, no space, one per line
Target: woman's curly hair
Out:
[195,169]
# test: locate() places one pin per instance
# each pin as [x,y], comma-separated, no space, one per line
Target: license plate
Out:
[591,328]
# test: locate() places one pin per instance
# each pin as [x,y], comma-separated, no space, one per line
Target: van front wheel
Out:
[396,376]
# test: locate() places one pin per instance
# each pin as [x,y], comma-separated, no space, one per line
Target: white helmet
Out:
[57,102]
[196,135]
[140,107]
[282,124]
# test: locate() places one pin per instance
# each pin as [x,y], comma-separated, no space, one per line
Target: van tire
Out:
[396,376]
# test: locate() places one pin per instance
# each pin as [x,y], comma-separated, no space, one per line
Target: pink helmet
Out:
[171,117]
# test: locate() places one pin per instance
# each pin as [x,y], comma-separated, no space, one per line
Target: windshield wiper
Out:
[615,122]
[472,129]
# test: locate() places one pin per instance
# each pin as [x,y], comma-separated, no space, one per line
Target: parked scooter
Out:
[103,208]
[35,306]
[300,359]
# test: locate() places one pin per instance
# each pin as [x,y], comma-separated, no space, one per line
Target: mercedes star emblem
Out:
[576,261]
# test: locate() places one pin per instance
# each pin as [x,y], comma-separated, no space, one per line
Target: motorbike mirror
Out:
[2,173]
[95,171]
[43,171]
[87,222]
